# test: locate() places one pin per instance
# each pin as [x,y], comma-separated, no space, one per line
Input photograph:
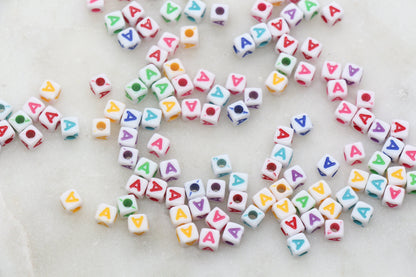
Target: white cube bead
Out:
[352,74]
[261,10]
[194,189]
[252,216]
[100,85]
[334,229]
[209,239]
[354,153]
[291,226]
[400,129]
[320,191]
[237,201]
[187,234]
[50,118]
[304,73]
[156,189]
[175,196]
[101,128]
[253,97]
[114,110]
[331,71]
[128,156]
[271,169]
[71,201]
[303,201]
[332,13]
[408,156]
[301,124]
[19,121]
[127,137]
[358,179]
[233,233]
[199,207]
[285,64]
[32,107]
[189,36]
[295,176]
[264,199]
[378,162]
[7,133]
[298,244]
[276,82]
[158,145]
[149,74]
[217,219]
[147,27]
[244,45]
[156,56]
[362,213]
[146,168]
[183,85]
[135,90]
[311,49]
[69,127]
[95,6]
[310,8]
[138,224]
[133,13]
[169,170]
[218,95]
[292,14]
[114,22]
[131,118]
[221,165]
[313,220]
[170,11]
[219,14]
[173,68]
[365,99]
[50,91]
[238,112]
[328,166]
[281,189]
[236,83]
[195,10]
[136,186]
[345,112]
[396,175]
[204,80]
[411,182]
[215,190]
[283,209]
[151,119]
[238,181]
[376,185]
[362,120]
[287,44]
[347,198]
[163,88]
[106,214]
[278,27]
[393,196]
[180,215]
[260,34]
[330,209]
[336,90]
[169,42]
[129,38]
[31,137]
[282,154]
[379,131]
[127,205]
[191,109]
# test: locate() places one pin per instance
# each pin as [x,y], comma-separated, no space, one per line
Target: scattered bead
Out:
[330,209]
[147,28]
[411,182]
[128,157]
[260,34]
[133,13]
[106,214]
[183,85]
[236,83]
[408,156]
[210,114]
[358,179]
[50,91]
[282,154]
[180,215]
[204,80]
[156,189]
[100,85]
[146,168]
[354,153]
[187,234]
[362,120]
[328,166]
[285,64]
[71,201]
[195,10]
[114,22]
[238,181]
[131,118]
[209,239]
[253,97]
[127,205]
[156,56]
[169,170]
[334,229]
[151,119]
[136,186]
[264,199]
[215,190]
[310,8]
[345,112]
[252,216]
[365,99]
[95,6]
[313,220]
[19,121]
[281,189]
[113,110]
[303,201]
[320,191]
[271,169]
[298,245]
[173,68]
[171,11]
[291,226]
[218,95]
[379,131]
[138,224]
[101,128]
[32,107]
[378,163]
[331,71]
[337,90]
[347,198]
[352,74]
[194,189]
[219,14]
[305,73]
[295,176]
[163,88]
[238,112]
[276,82]
[191,109]
[189,36]
[237,201]
[362,213]
[233,233]
[128,38]
[135,90]
[69,127]
[169,42]
[199,207]
[287,44]
[50,118]
[376,185]
[393,196]
[278,27]
[283,208]
[292,14]
[217,219]
[175,196]
[261,10]
[332,13]
[301,124]
[400,129]
[244,45]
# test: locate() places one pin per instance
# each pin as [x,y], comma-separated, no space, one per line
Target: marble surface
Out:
[62,41]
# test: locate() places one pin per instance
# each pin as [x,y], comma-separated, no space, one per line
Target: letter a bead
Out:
[156,189]
[292,14]
[31,137]
[6,133]
[194,189]
[352,74]
[50,118]
[217,219]
[376,185]
[282,154]
[311,49]
[175,196]
[50,91]
[147,27]
[328,166]
[298,245]
[362,213]
[100,85]
[204,80]
[106,215]
[354,153]
[320,191]
[128,38]
[156,56]
[128,157]
[135,90]
[358,179]
[138,224]
[69,127]
[379,131]
[114,22]
[408,156]
[304,73]
[345,112]
[331,71]
[271,169]
[191,109]
[209,239]
[101,128]
[168,42]
[295,176]
[362,120]
[334,229]
[396,175]
[379,162]
[281,189]
[33,108]
[199,207]
[151,119]
[283,209]
[136,186]
[278,27]
[158,145]
[301,124]
[287,44]
[291,226]
[330,209]
[127,205]
[187,234]
[195,10]
[6,110]
[393,196]
[95,6]
[332,13]
[261,10]
[233,233]
[171,12]
[169,170]
[180,215]
[400,129]
[215,190]
[127,137]
[260,34]
[133,13]
[146,168]
[221,165]
[336,90]
[276,82]
[252,216]
[310,8]
[347,198]
[19,121]
[264,199]
[312,220]
[303,201]
[238,113]
[71,201]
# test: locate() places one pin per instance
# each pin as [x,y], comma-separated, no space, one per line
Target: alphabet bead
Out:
[50,118]
[128,38]
[301,124]
[133,13]
[31,137]
[378,163]
[173,68]
[215,190]
[221,165]
[336,90]
[328,166]
[295,176]
[408,156]
[210,114]
[352,74]
[292,14]
[128,157]
[151,119]
[100,85]
[276,82]
[71,201]
[147,28]
[400,129]
[244,45]
[261,10]
[101,128]
[271,169]
[191,109]
[362,213]
[331,71]
[209,239]
[282,154]
[304,73]
[236,83]
[334,229]
[136,186]
[156,189]
[19,121]
[264,199]
[283,135]
[358,179]
[219,14]
[291,226]
[171,108]
[169,42]
[233,233]
[187,234]
[252,216]
[253,97]
[320,191]
[204,80]
[312,220]
[138,224]
[163,88]
[238,112]
[156,56]
[32,107]
[180,215]
[127,205]
[175,196]
[146,168]
[171,11]
[238,181]
[298,245]
[365,99]
[149,74]
[396,175]
[50,91]
[106,215]
[332,13]
[347,198]
[411,182]
[189,36]
[310,8]
[330,209]
[345,112]
[260,34]
[113,110]
[283,208]
[194,189]
[237,201]
[169,170]
[281,189]
[287,44]
[393,196]
[69,127]
[95,6]
[354,153]
[303,201]
[378,131]
[285,64]
[218,95]
[195,10]
[278,27]
[199,207]
[131,118]
[127,137]
[114,22]
[376,185]
[362,120]
[183,85]
[135,90]
[217,219]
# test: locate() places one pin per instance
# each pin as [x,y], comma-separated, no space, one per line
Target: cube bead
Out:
[332,13]
[195,10]
[50,118]
[352,74]
[260,34]
[379,131]
[163,89]
[334,229]
[283,135]
[354,153]
[151,119]
[283,208]
[189,36]
[281,189]
[210,114]
[287,44]
[362,120]
[113,110]
[171,11]
[147,28]
[295,176]
[191,109]
[218,95]
[31,137]
[114,22]
[393,196]
[173,68]
[305,73]
[365,99]
[175,196]
[408,156]
[411,182]
[301,124]
[271,169]
[156,189]
[358,179]
[135,90]
[310,8]
[376,186]
[244,45]
[127,205]
[362,213]
[379,162]
[238,112]
[285,64]
[209,239]
[127,137]
[69,127]
[253,97]
[95,6]
[183,85]
[320,191]
[303,201]
[199,207]
[133,13]
[32,107]
[330,209]
[6,109]
[276,82]
[101,128]
[292,14]
[128,157]
[328,166]
[100,85]
[106,215]
[219,14]
[194,189]
[187,234]
[19,121]
[264,199]
[217,219]
[261,10]
[345,112]
[298,244]
[336,90]
[204,80]
[50,91]
[128,38]
[169,42]
[313,220]
[347,198]
[149,74]
[146,168]
[233,233]
[221,165]
[238,181]
[138,224]
[278,27]
[252,216]
[7,133]
[180,215]
[331,71]
[400,129]
[131,118]
[71,201]
[237,201]
[215,190]
[236,83]
[169,170]
[158,145]
[291,226]
[396,175]
[156,56]
[282,154]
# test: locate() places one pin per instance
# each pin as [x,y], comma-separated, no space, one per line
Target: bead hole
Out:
[30,134]
[189,33]
[286,61]
[262,7]
[237,198]
[2,108]
[127,203]
[253,94]
[252,214]
[174,67]
[136,86]
[100,81]
[215,187]
[365,97]
[281,188]
[238,109]
[219,10]
[127,155]
[221,163]
[271,167]
[101,125]
[20,119]
[210,111]
[182,82]
[194,187]
[334,227]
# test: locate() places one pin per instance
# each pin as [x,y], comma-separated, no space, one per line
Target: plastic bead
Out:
[175,196]
[114,22]
[379,162]
[281,189]
[345,112]
[312,220]
[261,10]
[330,209]
[276,82]
[236,83]
[50,91]
[347,198]
[217,219]
[106,215]
[183,85]
[128,157]
[320,191]
[291,226]
[282,154]
[69,127]
[101,128]
[180,215]
[252,216]
[163,88]
[173,68]
[304,73]
[352,74]
[146,168]
[210,114]
[135,90]
[100,85]
[393,196]
[195,10]
[237,201]
[171,11]
[354,153]
[244,45]
[271,169]
[138,224]
[156,189]
[129,38]
[189,36]
[301,124]
[332,13]
[95,6]
[331,71]
[328,166]
[31,137]
[191,109]
[362,213]
[376,185]
[283,209]
[219,14]
[209,239]
[379,131]
[71,201]
[358,179]
[194,189]
[50,118]
[260,34]
[292,14]
[32,107]
[396,175]
[218,95]
[133,13]
[156,56]
[287,44]
[136,186]
[204,80]
[298,245]
[238,181]
[19,121]
[365,99]
[303,201]
[169,170]
[310,8]
[169,42]
[278,27]
[147,28]
[215,190]
[233,233]
[362,120]
[285,64]
[264,199]
[238,112]
[334,229]
[127,137]
[336,90]
[127,205]
[400,129]
[253,97]
[295,176]
[221,165]
[131,118]
[151,119]
[187,234]
[411,182]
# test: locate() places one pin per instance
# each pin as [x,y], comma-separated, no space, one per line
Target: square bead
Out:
[379,162]
[260,34]
[362,213]
[169,42]
[379,131]
[261,10]
[320,191]
[127,137]
[252,216]
[304,73]
[336,90]
[298,245]
[283,208]
[334,229]
[271,169]
[157,56]
[189,36]
[282,154]
[180,215]
[210,114]
[32,107]
[218,95]
[278,27]
[285,64]
[331,71]
[135,90]
[287,44]
[50,118]
[330,209]
[345,112]
[332,13]
[147,28]
[357,179]
[114,110]
[19,121]
[151,119]
[50,91]
[187,234]
[244,45]
[283,135]
[292,14]
[133,13]
[221,165]
[191,109]
[194,189]
[173,68]
[101,128]
[295,176]
[376,185]
[69,127]
[170,11]
[95,6]
[238,112]
[204,80]
[408,156]
[171,108]
[411,182]
[396,175]
[169,170]
[281,189]
[156,190]
[219,14]
[311,49]
[303,201]
[253,97]
[352,74]
[215,190]
[6,109]
[393,196]
[347,198]
[199,207]
[291,226]
[301,124]
[175,196]
[129,38]
[400,129]
[138,224]
[328,166]
[146,168]
[237,201]
[233,233]
[163,88]
[131,118]
[365,99]
[310,8]
[106,215]
[217,219]
[276,82]
[354,153]
[149,74]
[127,205]
[236,83]
[264,199]
[195,10]
[238,181]
[183,85]
[313,220]
[362,120]
[209,239]
[100,85]
[114,22]
[128,157]
[71,201]
[136,186]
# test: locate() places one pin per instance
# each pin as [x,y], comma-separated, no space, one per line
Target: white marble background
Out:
[62,41]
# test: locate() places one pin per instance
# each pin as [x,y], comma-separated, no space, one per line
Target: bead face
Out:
[210,114]
[264,199]
[303,201]
[136,186]
[376,185]
[345,112]
[378,131]
[156,56]
[365,99]
[127,137]
[310,8]
[50,118]
[283,208]
[128,157]
[135,90]
[233,233]
[237,201]
[328,166]
[313,220]
[244,45]
[305,73]
[173,68]
[209,239]
[146,168]
[131,118]
[204,80]
[191,109]
[238,112]
[113,110]
[195,10]
[175,196]
[138,224]
[411,182]
[219,14]
[253,97]
[330,209]
[217,219]
[281,189]
[332,13]
[298,245]
[106,215]
[282,154]
[291,226]
[169,170]
[71,201]
[6,109]
[156,189]
[163,89]
[127,205]
[114,22]
[215,190]
[271,169]
[362,213]
[236,83]
[278,27]
[168,42]
[295,176]
[100,85]
[199,207]
[31,137]
[147,28]
[400,129]
[171,11]
[347,198]
[133,13]
[408,156]
[352,74]
[128,38]
[187,234]
[69,127]
[101,128]
[362,120]
[50,91]
[252,216]
[158,145]
[183,85]
[221,165]
[285,64]
[336,90]
[334,229]
[396,175]
[95,6]
[19,121]
[194,189]
[292,14]
[301,124]
[276,82]
[287,44]
[189,36]
[238,181]
[261,34]
[393,196]
[218,95]
[358,179]
[149,74]
[354,153]
[261,10]
[331,71]
[320,191]
[311,49]
[32,107]
[151,119]
[378,163]
[180,215]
